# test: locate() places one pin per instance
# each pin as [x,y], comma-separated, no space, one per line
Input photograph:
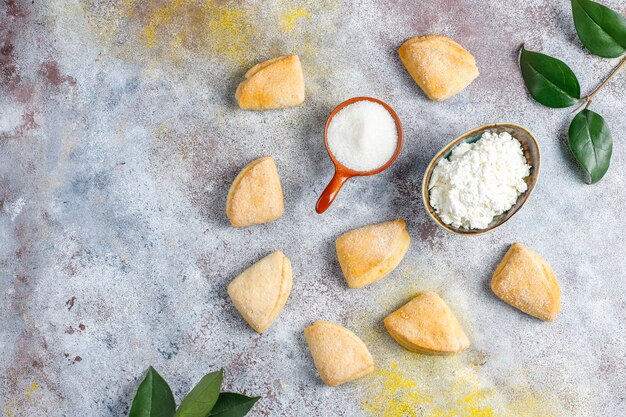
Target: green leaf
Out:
[154,397]
[591,143]
[231,404]
[200,401]
[599,28]
[550,81]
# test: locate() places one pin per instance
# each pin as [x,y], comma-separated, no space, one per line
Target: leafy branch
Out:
[586,101]
[154,399]
[552,83]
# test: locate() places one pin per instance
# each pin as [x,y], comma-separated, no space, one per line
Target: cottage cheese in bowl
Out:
[479,181]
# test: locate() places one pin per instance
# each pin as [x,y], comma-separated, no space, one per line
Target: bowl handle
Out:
[331,191]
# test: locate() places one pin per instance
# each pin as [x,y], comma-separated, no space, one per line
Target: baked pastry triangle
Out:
[369,253]
[427,325]
[524,280]
[255,195]
[339,355]
[260,292]
[273,84]
[440,66]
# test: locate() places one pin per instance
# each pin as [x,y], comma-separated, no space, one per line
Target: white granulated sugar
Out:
[363,136]
[479,181]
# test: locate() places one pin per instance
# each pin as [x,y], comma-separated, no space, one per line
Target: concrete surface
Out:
[119,137]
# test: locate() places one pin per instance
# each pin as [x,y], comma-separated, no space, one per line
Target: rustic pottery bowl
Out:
[342,173]
[531,152]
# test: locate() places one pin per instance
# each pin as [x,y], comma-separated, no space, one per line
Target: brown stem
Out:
[586,101]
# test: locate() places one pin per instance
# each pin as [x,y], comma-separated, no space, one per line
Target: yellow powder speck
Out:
[149,34]
[398,395]
[230,33]
[290,18]
[233,35]
[182,25]
[12,407]
[408,384]
[28,392]
[125,6]
[165,22]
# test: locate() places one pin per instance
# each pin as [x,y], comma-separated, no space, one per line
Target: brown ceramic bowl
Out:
[530,147]
[342,173]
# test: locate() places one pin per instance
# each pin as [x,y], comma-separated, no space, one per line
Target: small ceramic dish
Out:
[530,146]
[342,173]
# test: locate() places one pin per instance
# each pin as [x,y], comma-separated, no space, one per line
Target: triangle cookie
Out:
[524,280]
[440,66]
[273,84]
[427,325]
[370,253]
[339,355]
[255,195]
[260,292]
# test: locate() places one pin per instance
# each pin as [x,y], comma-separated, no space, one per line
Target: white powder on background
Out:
[479,181]
[363,136]
[15,208]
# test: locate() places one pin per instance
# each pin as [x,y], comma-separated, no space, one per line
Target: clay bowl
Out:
[530,147]
[342,173]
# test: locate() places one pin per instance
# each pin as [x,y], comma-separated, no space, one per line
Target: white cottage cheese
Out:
[479,181]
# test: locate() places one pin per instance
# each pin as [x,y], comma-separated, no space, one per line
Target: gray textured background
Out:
[119,137]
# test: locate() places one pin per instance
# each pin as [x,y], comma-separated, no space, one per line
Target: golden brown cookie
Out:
[440,66]
[427,325]
[255,195]
[524,280]
[260,292]
[370,253]
[273,84]
[339,355]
